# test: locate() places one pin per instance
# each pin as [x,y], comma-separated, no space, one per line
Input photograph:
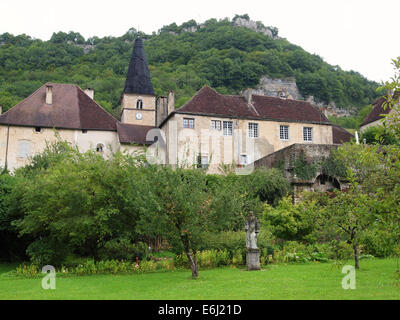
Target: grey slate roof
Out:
[138,78]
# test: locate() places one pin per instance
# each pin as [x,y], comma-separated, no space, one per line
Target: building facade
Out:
[210,131]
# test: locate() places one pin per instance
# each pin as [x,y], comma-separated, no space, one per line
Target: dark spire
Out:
[138,78]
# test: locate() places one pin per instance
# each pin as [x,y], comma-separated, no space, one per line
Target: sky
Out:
[359,35]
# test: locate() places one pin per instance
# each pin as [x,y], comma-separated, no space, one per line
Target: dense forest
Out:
[181,58]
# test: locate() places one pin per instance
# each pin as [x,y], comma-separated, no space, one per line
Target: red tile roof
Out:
[378,110]
[71,108]
[136,134]
[208,102]
[340,135]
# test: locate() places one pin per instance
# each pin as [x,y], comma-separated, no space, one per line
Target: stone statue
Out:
[252,229]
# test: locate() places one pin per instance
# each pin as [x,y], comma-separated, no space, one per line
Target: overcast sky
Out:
[360,35]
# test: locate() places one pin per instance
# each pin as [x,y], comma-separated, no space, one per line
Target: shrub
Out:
[238,259]
[206,259]
[232,242]
[44,252]
[123,249]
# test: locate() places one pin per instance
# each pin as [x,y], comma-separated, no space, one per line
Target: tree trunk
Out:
[356,253]
[193,264]
[192,258]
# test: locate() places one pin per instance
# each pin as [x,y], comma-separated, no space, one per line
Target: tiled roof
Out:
[130,133]
[378,110]
[71,108]
[340,135]
[208,102]
[138,77]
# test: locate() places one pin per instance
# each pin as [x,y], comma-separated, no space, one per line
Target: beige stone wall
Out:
[147,117]
[133,149]
[221,149]
[371,124]
[29,141]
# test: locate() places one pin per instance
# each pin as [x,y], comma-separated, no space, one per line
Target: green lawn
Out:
[375,280]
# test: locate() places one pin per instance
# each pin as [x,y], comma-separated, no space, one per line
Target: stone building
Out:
[66,111]
[376,116]
[209,131]
[212,130]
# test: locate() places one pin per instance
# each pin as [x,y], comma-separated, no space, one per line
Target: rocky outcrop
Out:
[255,26]
[284,88]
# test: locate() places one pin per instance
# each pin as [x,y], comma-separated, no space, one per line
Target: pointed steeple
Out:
[138,78]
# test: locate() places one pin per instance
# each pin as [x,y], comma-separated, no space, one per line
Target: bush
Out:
[205,259]
[238,259]
[45,252]
[232,242]
[123,249]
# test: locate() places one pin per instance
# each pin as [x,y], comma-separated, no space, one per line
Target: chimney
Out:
[248,95]
[90,93]
[171,102]
[49,94]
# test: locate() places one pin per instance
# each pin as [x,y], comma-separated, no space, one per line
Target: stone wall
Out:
[312,153]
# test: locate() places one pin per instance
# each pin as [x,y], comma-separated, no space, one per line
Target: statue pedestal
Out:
[253,259]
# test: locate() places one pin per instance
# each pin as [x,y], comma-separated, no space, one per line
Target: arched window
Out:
[100,147]
[139,104]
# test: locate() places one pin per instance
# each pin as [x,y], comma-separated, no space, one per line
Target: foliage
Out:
[290,221]
[303,169]
[219,54]
[333,166]
[124,249]
[206,259]
[90,267]
[392,120]
[378,135]
[12,247]
[352,122]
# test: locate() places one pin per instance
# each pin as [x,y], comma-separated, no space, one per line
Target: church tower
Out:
[138,101]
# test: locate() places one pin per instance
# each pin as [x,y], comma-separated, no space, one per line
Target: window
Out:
[188,123]
[215,125]
[202,161]
[84,131]
[243,160]
[139,104]
[38,129]
[228,125]
[100,147]
[284,132]
[253,130]
[24,149]
[307,134]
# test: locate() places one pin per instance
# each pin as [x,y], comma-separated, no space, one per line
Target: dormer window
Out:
[99,147]
[139,104]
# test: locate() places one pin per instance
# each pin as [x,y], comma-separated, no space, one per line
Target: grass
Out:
[375,280]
